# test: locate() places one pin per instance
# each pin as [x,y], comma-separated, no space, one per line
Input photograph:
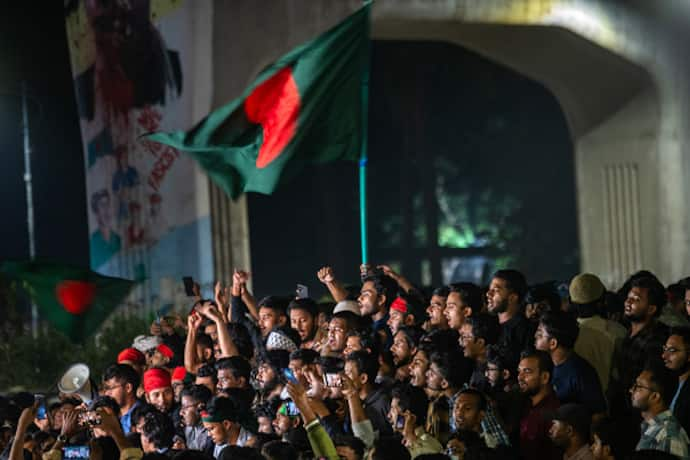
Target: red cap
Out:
[399,304]
[132,355]
[165,350]
[179,373]
[155,379]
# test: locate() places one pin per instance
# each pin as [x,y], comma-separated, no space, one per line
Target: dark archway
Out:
[471,167]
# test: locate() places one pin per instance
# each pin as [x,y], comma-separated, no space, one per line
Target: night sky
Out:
[495,137]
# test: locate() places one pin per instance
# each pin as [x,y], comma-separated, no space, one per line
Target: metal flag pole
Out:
[363,159]
[29,195]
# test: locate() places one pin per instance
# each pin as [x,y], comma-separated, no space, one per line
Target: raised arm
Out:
[227,346]
[239,286]
[17,449]
[403,282]
[326,276]
[191,363]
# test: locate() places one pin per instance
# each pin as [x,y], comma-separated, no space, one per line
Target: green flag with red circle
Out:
[305,108]
[76,301]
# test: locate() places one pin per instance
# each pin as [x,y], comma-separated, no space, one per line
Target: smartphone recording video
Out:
[41,412]
[332,380]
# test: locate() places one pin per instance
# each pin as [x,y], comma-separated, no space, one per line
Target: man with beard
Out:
[272,313]
[676,356]
[435,310]
[404,346]
[120,382]
[375,297]
[159,391]
[534,378]
[463,300]
[570,431]
[194,400]
[646,337]
[504,299]
[651,393]
[268,379]
[303,314]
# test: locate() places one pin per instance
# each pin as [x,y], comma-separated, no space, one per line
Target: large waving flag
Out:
[74,300]
[304,108]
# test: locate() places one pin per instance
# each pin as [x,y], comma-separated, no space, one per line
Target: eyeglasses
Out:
[491,369]
[672,350]
[105,388]
[635,386]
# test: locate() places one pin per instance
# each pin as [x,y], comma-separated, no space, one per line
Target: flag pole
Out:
[363,159]
[26,137]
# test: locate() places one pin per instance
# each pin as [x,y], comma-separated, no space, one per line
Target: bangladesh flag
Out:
[74,300]
[305,108]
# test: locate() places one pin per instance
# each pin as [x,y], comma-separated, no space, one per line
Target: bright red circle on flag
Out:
[75,296]
[275,105]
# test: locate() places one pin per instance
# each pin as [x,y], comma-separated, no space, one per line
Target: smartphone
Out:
[302,291]
[89,417]
[41,413]
[289,375]
[332,380]
[291,409]
[400,422]
[76,452]
[188,286]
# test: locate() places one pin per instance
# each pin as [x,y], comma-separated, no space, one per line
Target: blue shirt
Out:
[126,419]
[576,381]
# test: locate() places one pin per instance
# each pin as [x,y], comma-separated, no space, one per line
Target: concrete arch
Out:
[613,72]
[618,78]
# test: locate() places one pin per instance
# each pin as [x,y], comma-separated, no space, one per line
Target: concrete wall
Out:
[619,78]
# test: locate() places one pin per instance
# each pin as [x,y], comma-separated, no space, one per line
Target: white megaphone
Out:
[76,382]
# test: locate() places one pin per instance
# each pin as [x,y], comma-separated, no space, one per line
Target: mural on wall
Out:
[148,216]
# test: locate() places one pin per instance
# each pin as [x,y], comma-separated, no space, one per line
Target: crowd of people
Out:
[387,370]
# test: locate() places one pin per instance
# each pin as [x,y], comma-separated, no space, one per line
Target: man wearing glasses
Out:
[120,382]
[676,356]
[652,393]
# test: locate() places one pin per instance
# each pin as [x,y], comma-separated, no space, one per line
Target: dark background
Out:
[498,142]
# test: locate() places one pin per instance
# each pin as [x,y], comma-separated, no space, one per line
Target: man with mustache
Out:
[534,379]
[676,356]
[646,337]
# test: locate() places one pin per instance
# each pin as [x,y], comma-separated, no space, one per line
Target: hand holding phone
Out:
[302,292]
[289,375]
[41,412]
[189,286]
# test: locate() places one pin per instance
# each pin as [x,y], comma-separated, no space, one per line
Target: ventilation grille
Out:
[622,220]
